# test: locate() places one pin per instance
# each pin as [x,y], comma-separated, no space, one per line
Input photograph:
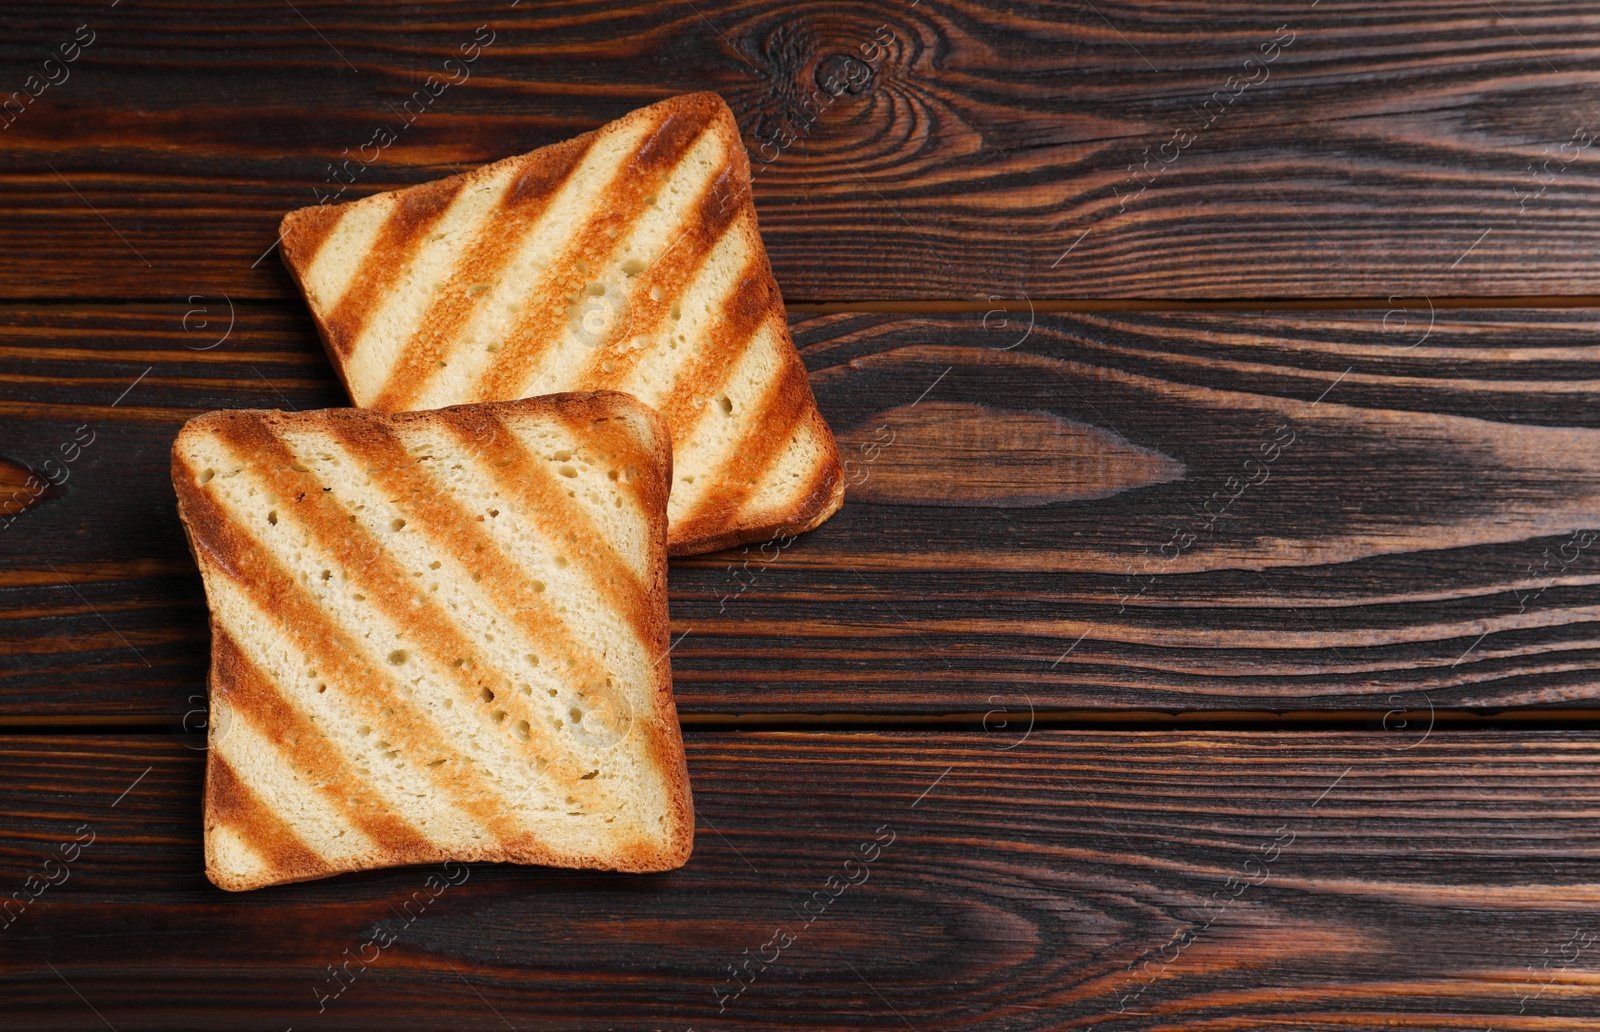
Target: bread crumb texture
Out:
[625,259]
[436,635]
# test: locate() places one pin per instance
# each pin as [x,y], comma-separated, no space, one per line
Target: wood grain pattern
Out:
[1425,536]
[1119,881]
[965,455]
[946,149]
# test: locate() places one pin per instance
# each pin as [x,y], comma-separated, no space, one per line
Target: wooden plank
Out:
[1118,881]
[1224,511]
[1384,149]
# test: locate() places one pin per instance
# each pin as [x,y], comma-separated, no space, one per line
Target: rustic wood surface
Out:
[1358,533]
[1115,881]
[1355,510]
[1253,150]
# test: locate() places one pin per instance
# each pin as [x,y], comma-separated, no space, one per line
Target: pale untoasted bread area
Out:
[233,865]
[723,422]
[480,660]
[630,259]
[506,295]
[791,474]
[317,821]
[339,259]
[657,377]
[609,305]
[354,723]
[423,281]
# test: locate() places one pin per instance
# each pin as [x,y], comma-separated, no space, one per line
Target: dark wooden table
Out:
[1210,638]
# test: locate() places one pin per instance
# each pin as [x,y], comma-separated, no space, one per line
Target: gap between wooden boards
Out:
[1001,720]
[922,307]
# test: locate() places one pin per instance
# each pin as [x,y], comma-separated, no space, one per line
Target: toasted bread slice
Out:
[625,259]
[436,636]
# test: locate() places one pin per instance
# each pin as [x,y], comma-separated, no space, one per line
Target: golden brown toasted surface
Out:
[625,259]
[436,635]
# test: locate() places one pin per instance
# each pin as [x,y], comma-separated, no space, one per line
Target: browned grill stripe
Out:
[643,174]
[304,232]
[670,275]
[531,482]
[462,535]
[709,370]
[783,405]
[232,804]
[485,259]
[250,694]
[424,621]
[825,480]
[257,571]
[415,213]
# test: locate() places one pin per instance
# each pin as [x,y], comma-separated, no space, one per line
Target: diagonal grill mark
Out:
[707,371]
[641,174]
[251,694]
[535,489]
[784,405]
[234,805]
[389,462]
[526,199]
[317,635]
[674,272]
[389,259]
[303,234]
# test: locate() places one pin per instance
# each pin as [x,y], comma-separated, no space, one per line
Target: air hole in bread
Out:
[487,694]
[632,267]
[397,524]
[272,517]
[726,405]
[398,656]
[206,475]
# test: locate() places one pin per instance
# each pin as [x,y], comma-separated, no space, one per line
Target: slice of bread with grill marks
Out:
[436,636]
[625,259]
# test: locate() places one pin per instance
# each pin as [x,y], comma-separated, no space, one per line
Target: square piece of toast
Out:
[625,259]
[436,636]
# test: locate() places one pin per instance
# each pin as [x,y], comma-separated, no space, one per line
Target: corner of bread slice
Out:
[763,464]
[436,636]
[626,259]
